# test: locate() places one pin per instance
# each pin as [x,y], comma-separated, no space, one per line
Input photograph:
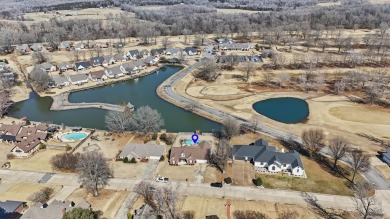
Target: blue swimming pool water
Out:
[75,136]
[190,142]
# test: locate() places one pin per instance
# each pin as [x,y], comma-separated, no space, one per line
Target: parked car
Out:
[162,179]
[216,184]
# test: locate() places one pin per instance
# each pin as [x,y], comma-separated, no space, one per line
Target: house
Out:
[157,52]
[11,209]
[3,66]
[10,129]
[145,212]
[54,210]
[22,49]
[151,60]
[98,61]
[64,66]
[60,81]
[47,66]
[7,138]
[144,53]
[172,52]
[27,147]
[78,79]
[118,45]
[142,151]
[115,72]
[266,159]
[80,46]
[36,47]
[190,154]
[120,57]
[133,54]
[7,76]
[173,61]
[82,65]
[240,58]
[101,45]
[386,156]
[223,41]
[236,46]
[139,64]
[109,59]
[97,76]
[130,68]
[64,45]
[189,51]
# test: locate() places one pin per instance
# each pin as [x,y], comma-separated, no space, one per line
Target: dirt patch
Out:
[21,191]
[108,201]
[363,114]
[39,162]
[128,170]
[212,206]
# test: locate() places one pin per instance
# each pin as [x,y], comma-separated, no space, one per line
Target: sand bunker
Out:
[364,114]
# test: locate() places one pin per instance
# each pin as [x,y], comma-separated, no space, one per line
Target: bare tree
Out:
[338,147]
[230,127]
[146,119]
[209,70]
[65,161]
[76,55]
[40,78]
[39,57]
[42,196]
[165,42]
[283,77]
[249,214]
[339,86]
[360,162]
[94,171]
[317,207]
[221,154]
[313,140]
[288,215]
[267,77]
[254,122]
[118,121]
[5,102]
[248,70]
[231,61]
[366,205]
[98,51]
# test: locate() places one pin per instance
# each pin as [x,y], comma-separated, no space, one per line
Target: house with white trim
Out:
[190,155]
[64,66]
[60,81]
[115,72]
[267,159]
[142,151]
[189,51]
[144,53]
[151,60]
[131,68]
[120,57]
[82,65]
[139,64]
[109,59]
[78,79]
[64,45]
[133,54]
[99,76]
[172,52]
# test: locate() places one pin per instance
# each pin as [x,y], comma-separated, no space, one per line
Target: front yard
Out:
[176,173]
[40,161]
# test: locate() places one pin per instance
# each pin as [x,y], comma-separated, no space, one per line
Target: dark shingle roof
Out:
[10,206]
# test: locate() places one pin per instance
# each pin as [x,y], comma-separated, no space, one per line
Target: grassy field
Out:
[38,162]
[21,191]
[211,206]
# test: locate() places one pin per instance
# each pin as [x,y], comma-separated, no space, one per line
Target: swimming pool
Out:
[75,136]
[190,142]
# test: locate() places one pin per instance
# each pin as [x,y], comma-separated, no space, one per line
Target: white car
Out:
[162,179]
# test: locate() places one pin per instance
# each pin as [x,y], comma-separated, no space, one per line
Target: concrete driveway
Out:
[242,173]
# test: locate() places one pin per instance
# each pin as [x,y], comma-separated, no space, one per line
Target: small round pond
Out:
[285,109]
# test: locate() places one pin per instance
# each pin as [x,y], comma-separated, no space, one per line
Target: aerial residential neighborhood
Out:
[235,109]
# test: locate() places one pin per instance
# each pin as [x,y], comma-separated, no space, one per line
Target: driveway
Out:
[242,173]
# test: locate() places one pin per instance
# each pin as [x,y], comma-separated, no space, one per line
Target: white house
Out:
[80,46]
[133,54]
[190,155]
[78,79]
[131,68]
[109,59]
[142,151]
[266,159]
[60,81]
[151,60]
[82,65]
[120,57]
[115,72]
[189,51]
[47,66]
[172,52]
[97,76]
[139,64]
[64,45]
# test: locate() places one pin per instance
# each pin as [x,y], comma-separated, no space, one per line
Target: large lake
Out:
[139,92]
[285,109]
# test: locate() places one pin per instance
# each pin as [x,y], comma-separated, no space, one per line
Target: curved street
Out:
[167,88]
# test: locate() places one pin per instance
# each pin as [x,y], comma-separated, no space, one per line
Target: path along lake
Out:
[285,109]
[139,92]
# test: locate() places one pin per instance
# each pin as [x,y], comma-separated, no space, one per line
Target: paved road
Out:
[198,189]
[372,175]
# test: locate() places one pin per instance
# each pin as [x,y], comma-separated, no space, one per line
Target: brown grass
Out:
[22,190]
[38,162]
[175,173]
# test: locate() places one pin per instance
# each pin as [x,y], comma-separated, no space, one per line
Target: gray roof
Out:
[78,77]
[52,211]
[46,65]
[134,52]
[22,47]
[139,63]
[145,212]
[115,70]
[85,64]
[36,46]
[387,154]
[129,66]
[80,44]
[10,206]
[108,57]
[64,65]
[189,49]
[2,64]
[149,59]
[142,150]
[119,56]
[172,50]
[60,79]
[144,52]
[65,44]
[97,60]
[156,51]
[267,154]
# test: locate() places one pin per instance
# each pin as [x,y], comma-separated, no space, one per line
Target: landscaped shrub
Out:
[129,216]
[259,181]
[154,137]
[133,160]
[126,160]
[41,196]
[162,158]
[212,217]
[228,180]
[68,148]
[163,136]
[42,146]
[168,139]
[10,156]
